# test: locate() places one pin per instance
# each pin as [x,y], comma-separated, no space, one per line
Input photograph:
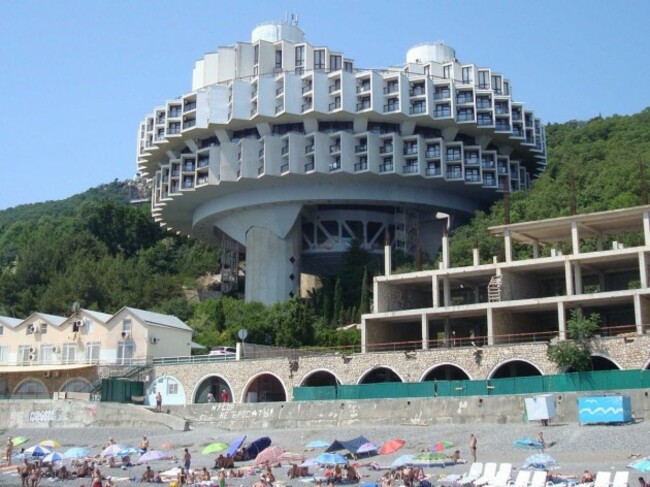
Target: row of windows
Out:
[67,353]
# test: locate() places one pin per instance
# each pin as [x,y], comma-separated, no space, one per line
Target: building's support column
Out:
[375,293]
[475,257]
[364,335]
[575,238]
[447,332]
[425,332]
[643,270]
[435,290]
[577,276]
[490,326]
[535,249]
[445,251]
[568,278]
[507,240]
[387,260]
[446,291]
[638,314]
[600,243]
[561,320]
[646,227]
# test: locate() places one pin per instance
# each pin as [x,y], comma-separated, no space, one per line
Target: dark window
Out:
[335,63]
[278,59]
[319,59]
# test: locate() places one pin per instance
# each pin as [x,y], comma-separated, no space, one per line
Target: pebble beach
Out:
[575,448]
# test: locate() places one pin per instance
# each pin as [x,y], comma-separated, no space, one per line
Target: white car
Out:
[223,351]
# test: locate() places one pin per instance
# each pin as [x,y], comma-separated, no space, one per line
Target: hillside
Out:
[97,249]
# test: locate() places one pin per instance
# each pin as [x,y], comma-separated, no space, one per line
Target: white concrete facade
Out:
[279,121]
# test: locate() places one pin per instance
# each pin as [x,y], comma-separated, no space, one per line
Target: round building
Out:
[291,151]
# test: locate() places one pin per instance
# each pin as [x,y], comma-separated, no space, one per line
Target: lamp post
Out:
[445,237]
[242,334]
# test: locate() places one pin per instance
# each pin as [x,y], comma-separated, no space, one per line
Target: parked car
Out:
[223,351]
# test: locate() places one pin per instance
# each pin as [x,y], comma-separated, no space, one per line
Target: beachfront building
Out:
[576,262]
[67,351]
[291,151]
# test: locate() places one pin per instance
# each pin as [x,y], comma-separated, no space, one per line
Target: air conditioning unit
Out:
[30,329]
[126,335]
[32,350]
[32,357]
[46,373]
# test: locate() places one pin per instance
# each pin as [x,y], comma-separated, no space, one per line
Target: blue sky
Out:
[77,76]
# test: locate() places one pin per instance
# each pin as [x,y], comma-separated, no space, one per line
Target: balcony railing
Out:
[432,153]
[360,148]
[309,167]
[502,127]
[411,150]
[473,178]
[433,171]
[390,89]
[335,166]
[410,169]
[363,106]
[417,109]
[472,161]
[189,106]
[442,95]
[487,181]
[485,121]
[454,175]
[363,88]
[488,164]
[386,149]
[334,88]
[335,148]
[189,123]
[361,166]
[442,113]
[285,150]
[284,168]
[386,167]
[465,117]
[391,107]
[307,88]
[417,91]
[309,148]
[334,105]
[306,106]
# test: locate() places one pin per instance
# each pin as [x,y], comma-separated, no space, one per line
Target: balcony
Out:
[386,167]
[309,167]
[188,168]
[335,165]
[442,95]
[487,164]
[473,178]
[432,153]
[365,105]
[391,107]
[433,171]
[417,109]
[260,154]
[150,127]
[335,148]
[445,113]
[202,180]
[189,123]
[417,91]
[361,166]
[175,173]
[174,130]
[454,173]
[306,106]
[175,112]
[361,148]
[278,109]
[391,88]
[410,150]
[516,116]
[472,161]
[465,117]
[482,104]
[462,100]
[363,88]
[160,120]
[335,105]
[334,88]
[284,168]
[190,105]
[279,90]
[307,88]
[188,184]
[502,127]
[410,169]
[386,149]
[518,133]
[453,156]
[284,150]
[309,149]
[483,121]
[501,109]
[489,181]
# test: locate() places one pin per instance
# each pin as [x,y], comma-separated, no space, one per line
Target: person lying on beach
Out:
[587,477]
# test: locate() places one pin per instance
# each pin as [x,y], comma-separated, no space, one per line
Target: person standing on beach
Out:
[10,449]
[472,446]
[144,444]
[158,402]
[187,459]
[541,441]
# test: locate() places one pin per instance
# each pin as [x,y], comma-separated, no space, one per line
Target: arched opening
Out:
[265,388]
[446,372]
[515,368]
[170,388]
[31,388]
[380,374]
[76,385]
[211,389]
[320,378]
[599,362]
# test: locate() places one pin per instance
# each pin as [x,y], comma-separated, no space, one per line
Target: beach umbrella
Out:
[214,448]
[429,458]
[76,452]
[391,446]
[291,457]
[152,456]
[53,457]
[540,461]
[331,459]
[113,450]
[317,444]
[367,447]
[19,440]
[128,451]
[235,445]
[442,445]
[49,443]
[401,461]
[37,451]
[310,462]
[269,454]
[642,465]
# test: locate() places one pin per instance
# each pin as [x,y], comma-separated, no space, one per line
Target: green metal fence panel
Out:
[323,393]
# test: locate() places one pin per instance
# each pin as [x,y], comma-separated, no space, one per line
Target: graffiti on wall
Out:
[229,412]
[42,416]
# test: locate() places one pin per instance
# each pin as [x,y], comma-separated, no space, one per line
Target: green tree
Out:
[575,353]
[337,314]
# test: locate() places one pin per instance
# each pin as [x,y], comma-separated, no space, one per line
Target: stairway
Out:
[494,289]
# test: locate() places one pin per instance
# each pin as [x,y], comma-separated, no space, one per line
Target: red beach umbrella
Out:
[391,446]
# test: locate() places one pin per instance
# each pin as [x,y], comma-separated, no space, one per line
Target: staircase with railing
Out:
[494,289]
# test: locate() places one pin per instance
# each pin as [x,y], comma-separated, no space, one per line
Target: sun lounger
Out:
[602,479]
[488,474]
[620,479]
[502,477]
[474,472]
[522,479]
[538,479]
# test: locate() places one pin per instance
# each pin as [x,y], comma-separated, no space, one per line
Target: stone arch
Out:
[170,388]
[445,371]
[32,387]
[646,366]
[214,383]
[319,378]
[601,361]
[264,387]
[513,365]
[379,374]
[76,384]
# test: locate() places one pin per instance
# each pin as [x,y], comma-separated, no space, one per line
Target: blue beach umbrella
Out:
[317,444]
[76,452]
[331,459]
[401,461]
[235,445]
[642,465]
[540,461]
[37,451]
[53,457]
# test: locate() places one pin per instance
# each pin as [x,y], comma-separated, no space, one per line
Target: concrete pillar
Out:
[490,326]
[364,335]
[375,293]
[447,332]
[272,264]
[446,291]
[475,257]
[646,227]
[507,240]
[638,315]
[445,251]
[599,243]
[561,320]
[388,265]
[643,269]
[568,278]
[435,285]
[577,276]
[575,238]
[425,332]
[535,249]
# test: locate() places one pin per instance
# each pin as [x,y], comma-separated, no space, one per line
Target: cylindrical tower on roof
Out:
[294,153]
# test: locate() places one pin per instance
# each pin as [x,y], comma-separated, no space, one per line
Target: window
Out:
[496,84]
[446,71]
[347,66]
[256,54]
[278,59]
[92,352]
[23,354]
[172,386]
[68,353]
[453,153]
[4,354]
[125,351]
[300,56]
[319,59]
[483,80]
[127,326]
[427,70]
[335,63]
[47,354]
[467,74]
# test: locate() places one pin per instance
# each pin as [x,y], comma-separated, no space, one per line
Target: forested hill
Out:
[99,250]
[598,165]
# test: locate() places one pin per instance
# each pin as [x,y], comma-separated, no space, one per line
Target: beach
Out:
[575,448]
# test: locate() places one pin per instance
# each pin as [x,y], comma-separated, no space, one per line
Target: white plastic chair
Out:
[621,479]
[522,479]
[502,476]
[475,471]
[602,479]
[488,474]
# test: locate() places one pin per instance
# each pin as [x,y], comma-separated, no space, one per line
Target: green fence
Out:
[605,380]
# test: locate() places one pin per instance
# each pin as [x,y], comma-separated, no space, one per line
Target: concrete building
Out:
[290,150]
